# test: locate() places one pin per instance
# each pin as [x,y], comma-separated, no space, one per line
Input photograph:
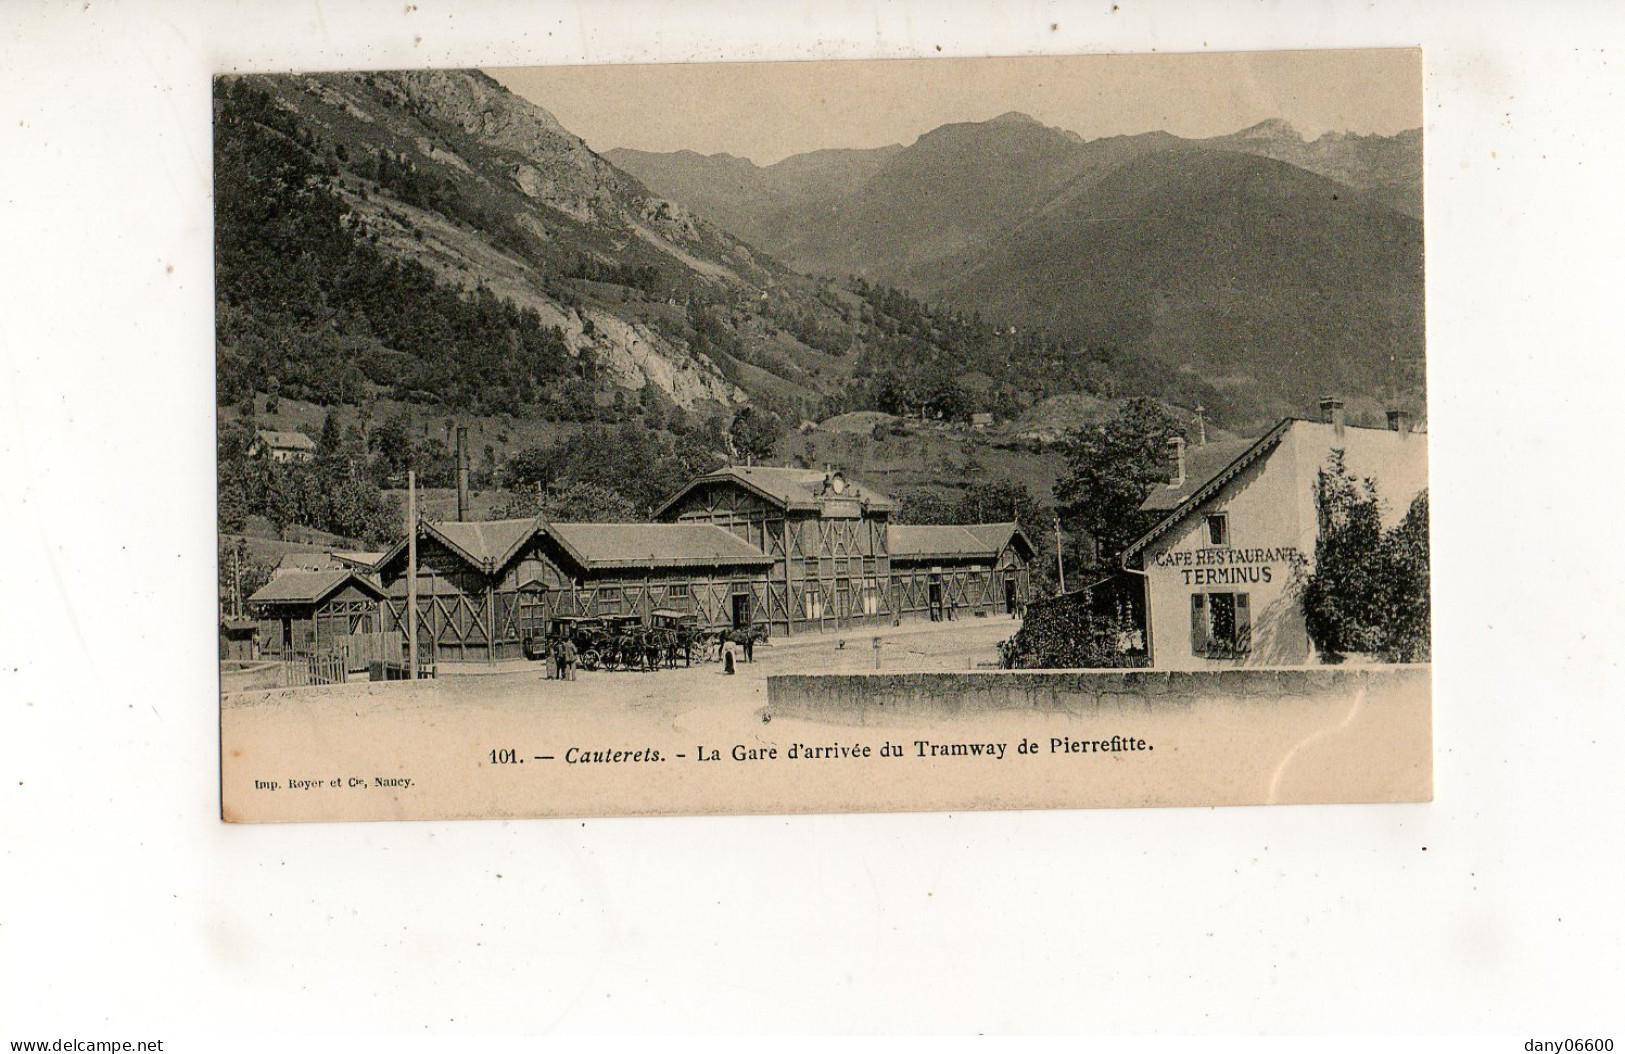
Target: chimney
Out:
[1399,421]
[462,474]
[1331,411]
[1176,455]
[1201,427]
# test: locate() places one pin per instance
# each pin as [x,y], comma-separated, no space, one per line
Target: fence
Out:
[359,651]
[304,670]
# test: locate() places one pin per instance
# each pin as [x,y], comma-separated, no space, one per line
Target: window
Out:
[814,603]
[677,590]
[1218,528]
[1221,625]
[609,600]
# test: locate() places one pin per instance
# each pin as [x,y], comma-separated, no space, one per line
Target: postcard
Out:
[948,434]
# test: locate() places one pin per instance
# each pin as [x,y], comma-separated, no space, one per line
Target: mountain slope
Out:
[1388,168]
[445,181]
[1248,280]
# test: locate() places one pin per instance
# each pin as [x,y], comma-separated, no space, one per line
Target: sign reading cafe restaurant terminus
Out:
[1223,566]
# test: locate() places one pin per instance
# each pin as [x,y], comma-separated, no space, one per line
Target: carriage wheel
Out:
[590,659]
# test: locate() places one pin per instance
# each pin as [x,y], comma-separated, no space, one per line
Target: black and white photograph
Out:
[531,520]
[697,437]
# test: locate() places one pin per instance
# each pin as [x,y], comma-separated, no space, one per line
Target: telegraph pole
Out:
[1060,568]
[411,575]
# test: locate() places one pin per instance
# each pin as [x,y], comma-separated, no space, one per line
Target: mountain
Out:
[1388,168]
[892,214]
[527,270]
[757,204]
[1254,271]
[886,213]
[1248,282]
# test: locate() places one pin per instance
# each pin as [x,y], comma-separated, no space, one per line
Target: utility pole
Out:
[411,575]
[1060,568]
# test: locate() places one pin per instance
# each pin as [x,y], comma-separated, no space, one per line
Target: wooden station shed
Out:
[301,612]
[485,587]
[944,571]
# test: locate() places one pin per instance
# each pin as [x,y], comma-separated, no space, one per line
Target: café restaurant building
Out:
[1223,567]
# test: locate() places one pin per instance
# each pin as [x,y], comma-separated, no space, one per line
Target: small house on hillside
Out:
[282,446]
[302,612]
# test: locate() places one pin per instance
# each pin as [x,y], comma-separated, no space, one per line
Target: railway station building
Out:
[789,550]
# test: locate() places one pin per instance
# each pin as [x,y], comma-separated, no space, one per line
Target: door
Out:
[934,601]
[1009,596]
[741,611]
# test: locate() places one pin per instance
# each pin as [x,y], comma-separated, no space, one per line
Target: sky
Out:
[771,110]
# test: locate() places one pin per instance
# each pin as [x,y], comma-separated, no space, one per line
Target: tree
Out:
[575,501]
[1064,633]
[1369,590]
[989,501]
[754,433]
[331,443]
[1110,469]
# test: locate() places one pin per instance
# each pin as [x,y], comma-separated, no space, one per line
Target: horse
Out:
[747,639]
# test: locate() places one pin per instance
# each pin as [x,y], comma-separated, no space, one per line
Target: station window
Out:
[1221,624]
[1218,528]
[609,600]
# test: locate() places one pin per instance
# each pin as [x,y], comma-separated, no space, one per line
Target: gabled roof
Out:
[1202,463]
[949,541]
[790,488]
[487,545]
[309,587]
[489,542]
[1200,486]
[295,562]
[286,440]
[598,546]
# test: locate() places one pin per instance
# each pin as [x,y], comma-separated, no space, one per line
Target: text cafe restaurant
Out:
[1222,569]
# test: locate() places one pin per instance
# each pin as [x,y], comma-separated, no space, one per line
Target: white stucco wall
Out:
[1273,526]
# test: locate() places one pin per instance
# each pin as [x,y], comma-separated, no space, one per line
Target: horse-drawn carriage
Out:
[627,642]
[606,642]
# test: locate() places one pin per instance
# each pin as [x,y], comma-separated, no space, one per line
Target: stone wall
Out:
[885,697]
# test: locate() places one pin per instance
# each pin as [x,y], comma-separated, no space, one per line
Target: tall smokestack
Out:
[462,473]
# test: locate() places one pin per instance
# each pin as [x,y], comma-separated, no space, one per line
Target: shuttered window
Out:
[1221,624]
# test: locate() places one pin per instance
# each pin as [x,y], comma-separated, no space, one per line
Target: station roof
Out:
[801,489]
[485,544]
[490,545]
[309,587]
[619,545]
[951,541]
